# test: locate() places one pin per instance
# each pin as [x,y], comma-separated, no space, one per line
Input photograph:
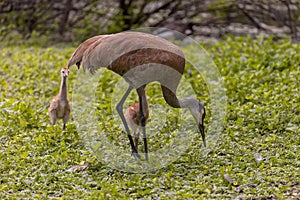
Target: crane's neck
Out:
[193,105]
[63,92]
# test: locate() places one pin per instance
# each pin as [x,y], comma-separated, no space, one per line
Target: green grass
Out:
[257,155]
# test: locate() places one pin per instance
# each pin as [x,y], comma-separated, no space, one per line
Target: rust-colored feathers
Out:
[78,54]
[106,50]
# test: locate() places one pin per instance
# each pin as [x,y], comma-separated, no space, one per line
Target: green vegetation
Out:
[257,154]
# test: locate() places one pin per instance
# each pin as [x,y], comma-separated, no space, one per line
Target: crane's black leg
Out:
[143,123]
[119,108]
[136,140]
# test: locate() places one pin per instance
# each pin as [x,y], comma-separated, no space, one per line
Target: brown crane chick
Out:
[133,118]
[60,106]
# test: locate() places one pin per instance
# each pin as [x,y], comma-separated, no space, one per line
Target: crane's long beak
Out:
[201,129]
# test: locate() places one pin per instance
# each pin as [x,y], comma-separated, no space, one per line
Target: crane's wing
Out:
[103,50]
[53,105]
[78,53]
[53,111]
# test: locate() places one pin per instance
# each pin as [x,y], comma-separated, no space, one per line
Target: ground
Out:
[257,153]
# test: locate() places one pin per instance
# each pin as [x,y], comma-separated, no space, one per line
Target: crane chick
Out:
[133,119]
[60,106]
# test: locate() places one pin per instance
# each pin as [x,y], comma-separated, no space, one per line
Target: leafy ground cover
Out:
[257,155]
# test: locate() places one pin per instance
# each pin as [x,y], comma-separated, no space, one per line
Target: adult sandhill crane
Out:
[60,106]
[133,118]
[139,58]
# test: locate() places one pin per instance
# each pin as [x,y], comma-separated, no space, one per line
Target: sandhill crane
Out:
[139,58]
[133,119]
[60,106]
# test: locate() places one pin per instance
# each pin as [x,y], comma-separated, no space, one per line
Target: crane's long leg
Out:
[143,109]
[143,123]
[119,108]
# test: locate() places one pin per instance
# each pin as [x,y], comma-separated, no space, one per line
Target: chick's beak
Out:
[201,129]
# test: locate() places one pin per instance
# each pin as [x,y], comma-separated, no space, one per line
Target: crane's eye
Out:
[63,72]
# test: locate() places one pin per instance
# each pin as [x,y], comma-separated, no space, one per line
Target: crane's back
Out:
[122,51]
[139,57]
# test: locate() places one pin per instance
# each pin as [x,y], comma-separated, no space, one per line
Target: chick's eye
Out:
[63,72]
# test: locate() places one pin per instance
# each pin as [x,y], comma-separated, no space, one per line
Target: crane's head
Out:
[64,72]
[198,111]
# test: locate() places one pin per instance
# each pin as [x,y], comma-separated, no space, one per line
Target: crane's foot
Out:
[135,154]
